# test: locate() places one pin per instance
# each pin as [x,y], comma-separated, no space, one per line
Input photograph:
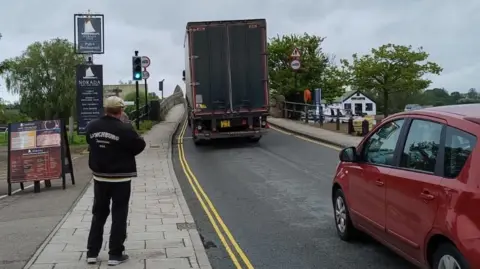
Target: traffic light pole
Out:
[137,101]
[146,97]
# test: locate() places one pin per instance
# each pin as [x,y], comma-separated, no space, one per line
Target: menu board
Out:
[89,95]
[35,151]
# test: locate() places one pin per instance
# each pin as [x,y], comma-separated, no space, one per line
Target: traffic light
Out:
[137,67]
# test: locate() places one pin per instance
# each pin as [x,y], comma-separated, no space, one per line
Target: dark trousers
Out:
[119,193]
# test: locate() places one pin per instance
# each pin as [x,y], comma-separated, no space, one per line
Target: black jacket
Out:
[113,147]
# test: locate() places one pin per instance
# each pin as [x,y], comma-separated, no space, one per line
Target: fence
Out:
[344,122]
[157,109]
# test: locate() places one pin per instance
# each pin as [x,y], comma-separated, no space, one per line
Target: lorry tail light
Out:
[264,123]
[214,129]
[250,126]
[199,127]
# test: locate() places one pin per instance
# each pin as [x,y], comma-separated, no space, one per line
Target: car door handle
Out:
[426,195]
[380,183]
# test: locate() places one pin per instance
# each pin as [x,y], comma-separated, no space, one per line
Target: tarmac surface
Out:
[27,218]
[275,199]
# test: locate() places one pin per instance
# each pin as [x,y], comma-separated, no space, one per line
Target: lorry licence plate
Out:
[224,124]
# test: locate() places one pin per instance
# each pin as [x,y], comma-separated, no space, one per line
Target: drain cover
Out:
[186,226]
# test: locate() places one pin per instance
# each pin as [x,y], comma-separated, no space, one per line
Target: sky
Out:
[448,30]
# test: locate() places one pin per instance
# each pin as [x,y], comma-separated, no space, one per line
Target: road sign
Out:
[145,61]
[295,65]
[295,53]
[146,75]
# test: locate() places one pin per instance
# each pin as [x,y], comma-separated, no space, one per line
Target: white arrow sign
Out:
[146,74]
[145,61]
[295,64]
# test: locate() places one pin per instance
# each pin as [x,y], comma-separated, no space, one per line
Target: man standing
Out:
[113,147]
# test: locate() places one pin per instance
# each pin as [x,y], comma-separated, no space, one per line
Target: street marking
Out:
[29,186]
[307,139]
[209,209]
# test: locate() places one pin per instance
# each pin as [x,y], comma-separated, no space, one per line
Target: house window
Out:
[368,107]
[347,106]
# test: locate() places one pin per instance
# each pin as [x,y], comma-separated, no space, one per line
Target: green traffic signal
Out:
[137,67]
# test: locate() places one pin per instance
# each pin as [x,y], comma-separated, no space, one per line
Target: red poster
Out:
[35,151]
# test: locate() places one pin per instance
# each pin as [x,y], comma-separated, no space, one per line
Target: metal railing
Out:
[132,116]
[336,119]
[165,105]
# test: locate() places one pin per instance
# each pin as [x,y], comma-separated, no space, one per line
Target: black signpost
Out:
[89,94]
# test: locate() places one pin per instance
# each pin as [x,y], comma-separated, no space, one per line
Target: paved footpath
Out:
[161,231]
[316,133]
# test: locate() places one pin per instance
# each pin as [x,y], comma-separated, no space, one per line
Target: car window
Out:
[380,147]
[421,147]
[458,146]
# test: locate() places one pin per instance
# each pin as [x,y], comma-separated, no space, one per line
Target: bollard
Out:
[338,123]
[306,113]
[350,125]
[365,127]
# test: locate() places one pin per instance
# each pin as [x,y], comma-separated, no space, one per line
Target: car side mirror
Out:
[348,154]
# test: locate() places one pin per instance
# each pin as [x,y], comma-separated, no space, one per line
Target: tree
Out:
[455,96]
[44,77]
[315,71]
[472,94]
[391,69]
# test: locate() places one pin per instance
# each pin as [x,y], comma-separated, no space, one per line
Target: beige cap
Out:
[113,102]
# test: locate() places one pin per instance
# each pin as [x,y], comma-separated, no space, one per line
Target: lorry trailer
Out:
[226,79]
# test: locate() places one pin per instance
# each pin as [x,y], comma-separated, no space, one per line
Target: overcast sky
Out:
[448,30]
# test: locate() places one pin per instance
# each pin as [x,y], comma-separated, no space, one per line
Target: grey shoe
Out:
[116,260]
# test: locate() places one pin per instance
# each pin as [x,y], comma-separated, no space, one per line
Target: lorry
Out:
[226,79]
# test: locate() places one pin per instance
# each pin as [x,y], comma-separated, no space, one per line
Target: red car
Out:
[413,183]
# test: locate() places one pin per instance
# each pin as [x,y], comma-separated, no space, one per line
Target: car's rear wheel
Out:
[447,256]
[343,223]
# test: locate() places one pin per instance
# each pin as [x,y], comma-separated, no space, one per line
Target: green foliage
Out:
[391,69]
[132,97]
[44,77]
[316,71]
[145,126]
[77,139]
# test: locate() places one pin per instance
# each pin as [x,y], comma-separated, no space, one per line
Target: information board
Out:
[35,151]
[38,151]
[89,95]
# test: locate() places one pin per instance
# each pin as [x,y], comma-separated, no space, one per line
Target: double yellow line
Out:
[211,212]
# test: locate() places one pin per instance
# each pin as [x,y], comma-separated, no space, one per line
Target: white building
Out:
[355,101]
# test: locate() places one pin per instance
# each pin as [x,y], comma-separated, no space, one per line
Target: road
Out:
[27,218]
[275,199]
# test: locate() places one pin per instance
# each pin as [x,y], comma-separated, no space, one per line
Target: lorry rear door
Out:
[208,44]
[247,45]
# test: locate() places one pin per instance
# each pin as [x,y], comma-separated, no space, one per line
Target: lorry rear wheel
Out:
[196,140]
[254,139]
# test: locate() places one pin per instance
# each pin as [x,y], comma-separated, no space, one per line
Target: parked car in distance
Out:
[413,184]
[410,107]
